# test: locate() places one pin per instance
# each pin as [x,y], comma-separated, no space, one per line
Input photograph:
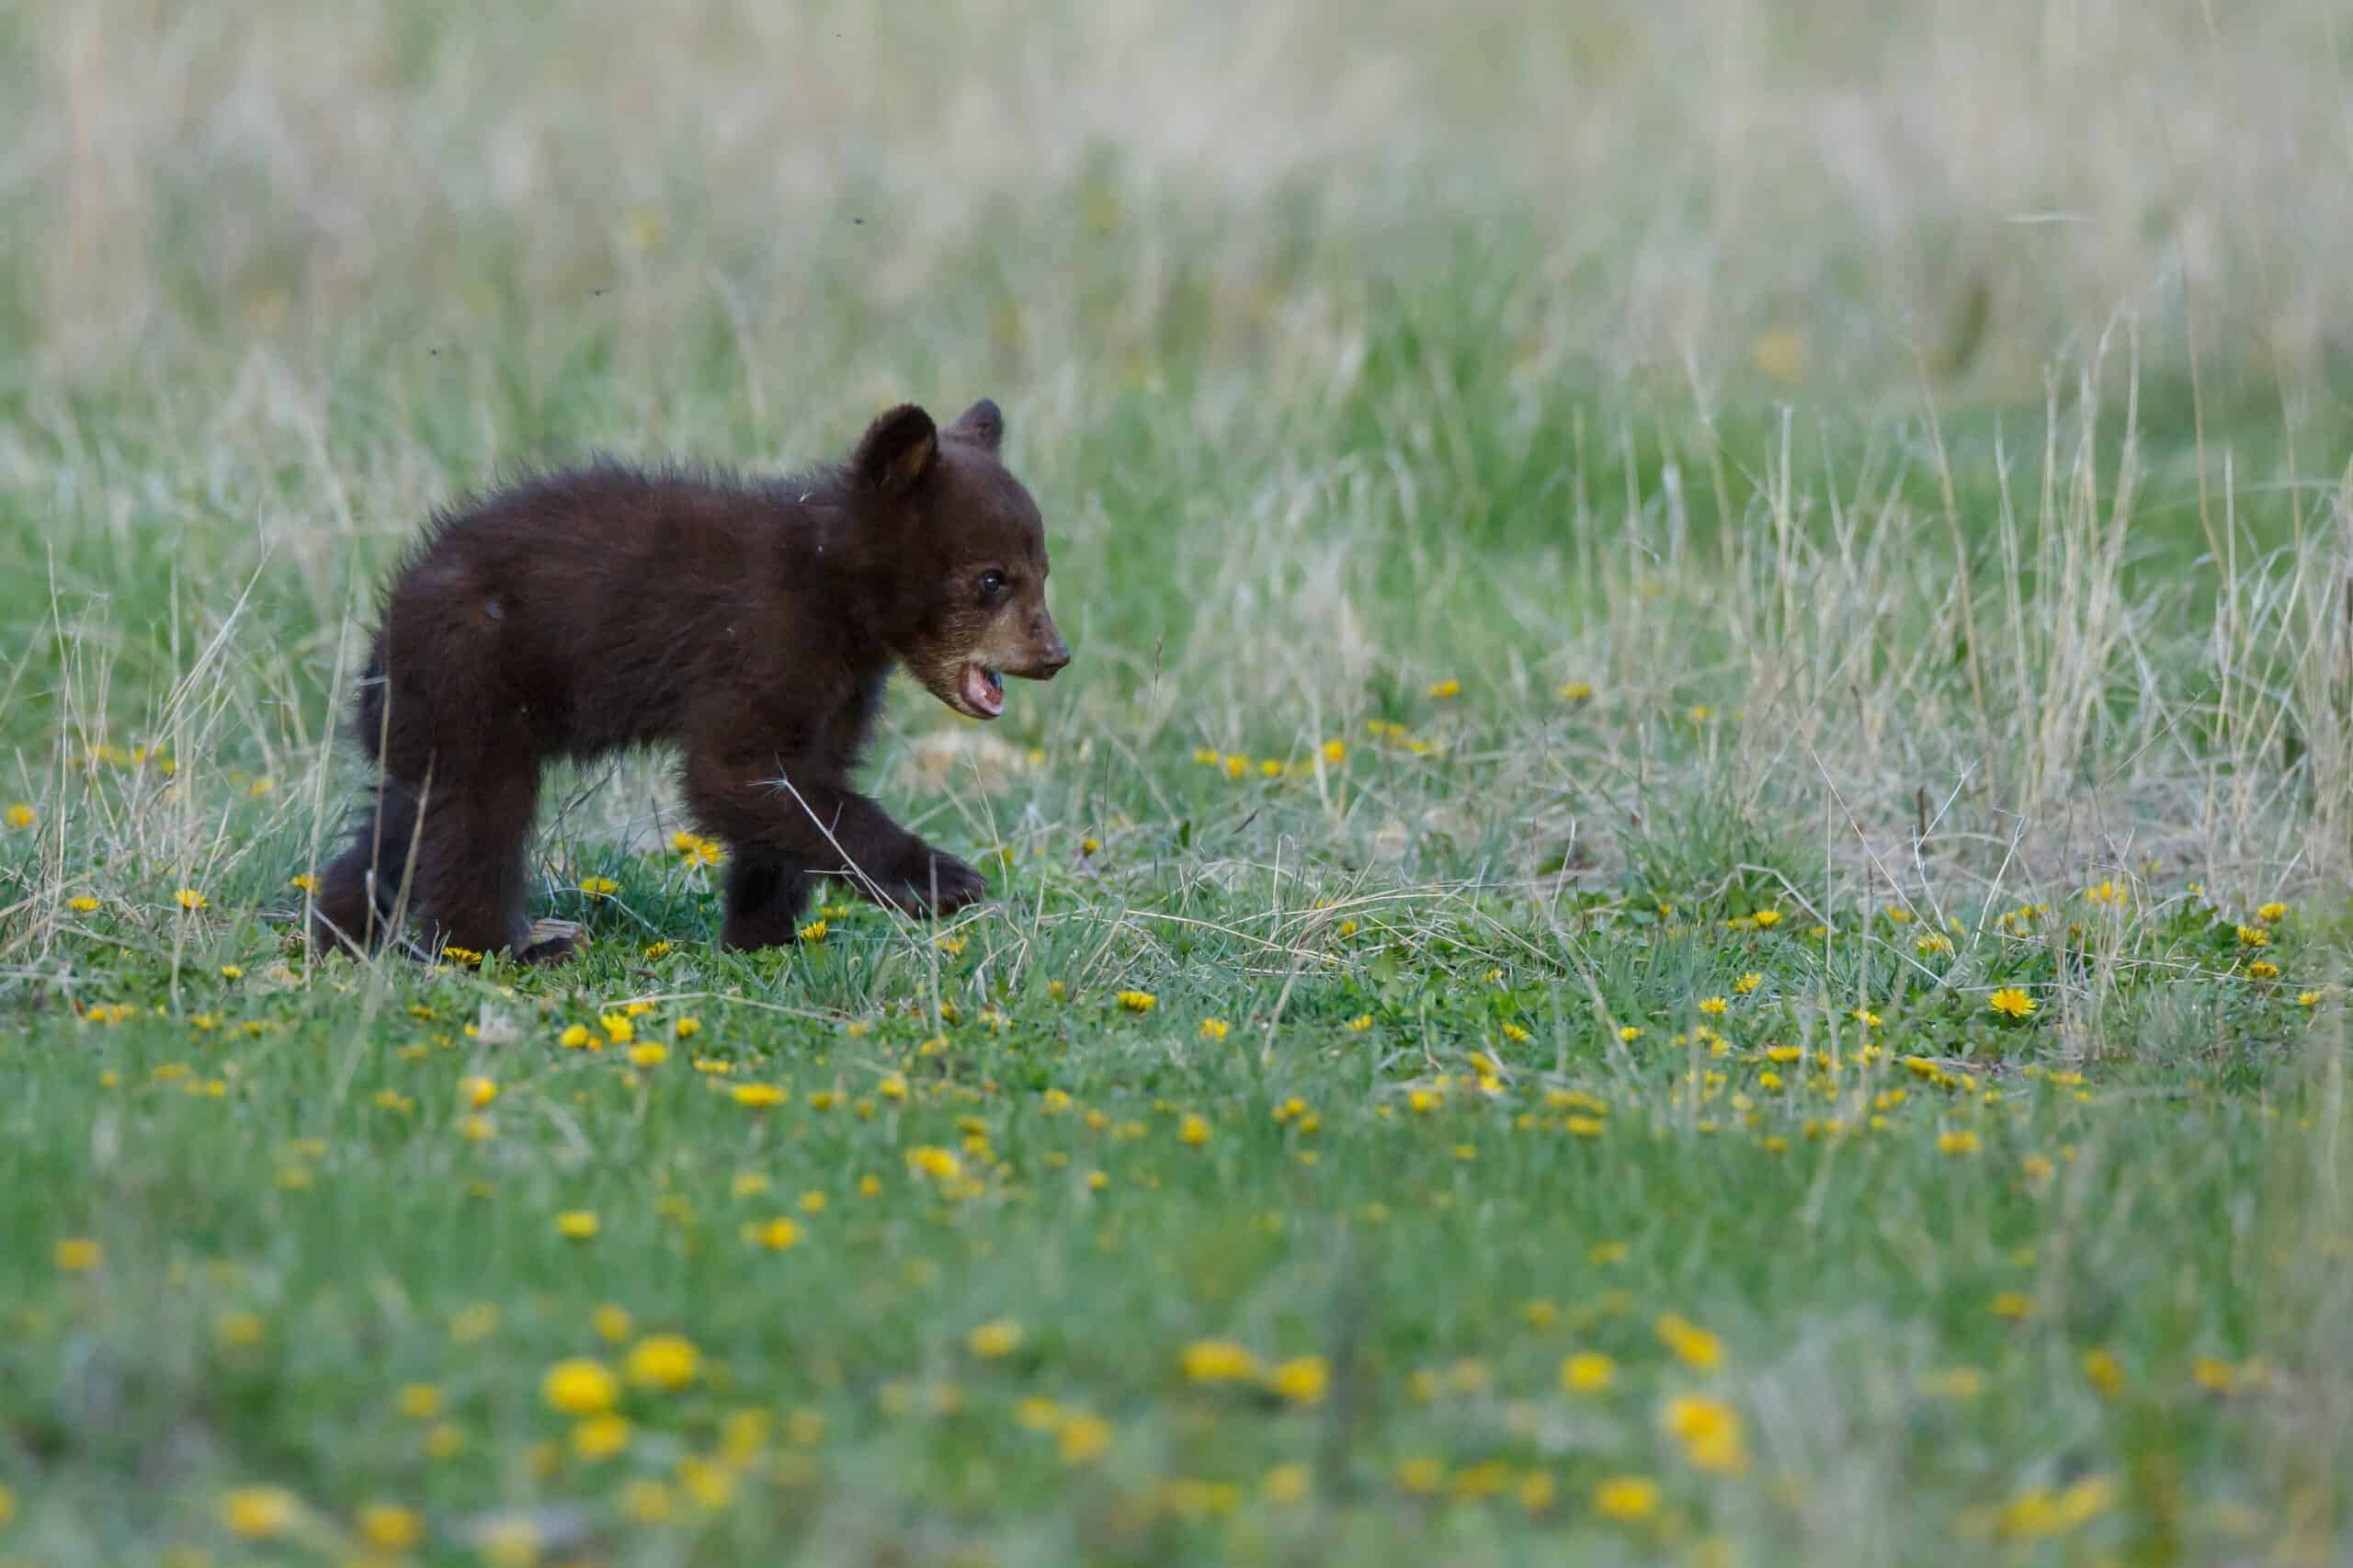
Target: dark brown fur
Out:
[751,624]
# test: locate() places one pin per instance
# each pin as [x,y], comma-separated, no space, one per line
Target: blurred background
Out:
[1348,346]
[1838,193]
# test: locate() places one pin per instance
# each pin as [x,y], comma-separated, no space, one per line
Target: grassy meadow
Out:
[1688,901]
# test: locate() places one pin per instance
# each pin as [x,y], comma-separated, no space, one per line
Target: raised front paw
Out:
[931,881]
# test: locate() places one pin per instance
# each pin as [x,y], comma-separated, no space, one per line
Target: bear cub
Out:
[750,623]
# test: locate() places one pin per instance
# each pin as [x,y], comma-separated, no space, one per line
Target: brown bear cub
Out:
[750,622]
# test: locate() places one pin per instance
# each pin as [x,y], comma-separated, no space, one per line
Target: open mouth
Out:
[983,690]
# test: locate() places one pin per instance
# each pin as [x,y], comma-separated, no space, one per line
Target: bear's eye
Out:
[991,579]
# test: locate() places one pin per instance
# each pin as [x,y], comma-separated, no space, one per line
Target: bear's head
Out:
[960,551]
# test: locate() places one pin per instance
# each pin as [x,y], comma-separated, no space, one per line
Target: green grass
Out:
[1772,578]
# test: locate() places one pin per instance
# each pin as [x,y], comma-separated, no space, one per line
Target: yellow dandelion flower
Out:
[1138,1001]
[1693,1345]
[1302,1379]
[1335,751]
[1083,1439]
[1574,691]
[2272,913]
[259,1512]
[1748,983]
[757,1096]
[2263,969]
[600,1437]
[1360,1023]
[78,1254]
[599,887]
[994,1340]
[1587,1372]
[85,905]
[1285,1484]
[667,1361]
[1194,1130]
[580,1386]
[418,1402]
[649,1053]
[940,1164]
[2110,893]
[477,1091]
[2012,1304]
[1420,1474]
[1217,1361]
[1963,1142]
[779,1234]
[22,815]
[2254,937]
[1626,1498]
[389,1528]
[191,900]
[1443,690]
[576,1224]
[1710,1433]
[2011,1002]
[1713,1005]
[2307,999]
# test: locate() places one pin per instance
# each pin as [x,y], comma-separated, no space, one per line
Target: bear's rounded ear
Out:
[984,422]
[897,450]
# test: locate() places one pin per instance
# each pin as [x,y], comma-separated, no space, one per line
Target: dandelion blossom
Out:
[1138,1001]
[994,1340]
[1587,1372]
[577,1226]
[2272,913]
[666,1361]
[1710,1431]
[580,1386]
[389,1528]
[1444,689]
[599,887]
[2011,1002]
[1693,1344]
[191,900]
[22,815]
[1303,1379]
[257,1512]
[1083,1438]
[1626,1498]
[1217,1361]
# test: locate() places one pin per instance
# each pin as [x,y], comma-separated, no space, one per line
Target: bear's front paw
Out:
[930,882]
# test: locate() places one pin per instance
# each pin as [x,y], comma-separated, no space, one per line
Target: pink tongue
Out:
[982,693]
